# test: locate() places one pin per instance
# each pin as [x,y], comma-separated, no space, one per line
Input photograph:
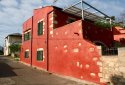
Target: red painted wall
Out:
[26,44]
[94,33]
[71,53]
[62,17]
[40,41]
[119,35]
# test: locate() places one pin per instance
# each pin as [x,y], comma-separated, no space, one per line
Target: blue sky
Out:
[14,12]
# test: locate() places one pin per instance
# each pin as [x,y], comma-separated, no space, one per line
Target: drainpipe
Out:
[31,41]
[47,39]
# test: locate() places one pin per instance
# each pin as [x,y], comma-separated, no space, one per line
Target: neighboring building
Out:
[1,50]
[15,38]
[62,43]
[119,36]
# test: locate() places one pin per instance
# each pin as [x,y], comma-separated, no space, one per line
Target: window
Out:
[70,20]
[40,28]
[27,35]
[26,54]
[40,55]
[24,37]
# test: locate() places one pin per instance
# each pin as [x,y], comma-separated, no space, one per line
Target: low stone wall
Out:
[121,60]
[111,66]
[108,68]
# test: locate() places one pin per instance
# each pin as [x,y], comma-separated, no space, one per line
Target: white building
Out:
[11,39]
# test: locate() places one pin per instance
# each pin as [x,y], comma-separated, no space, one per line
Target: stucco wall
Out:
[26,45]
[6,47]
[97,34]
[71,55]
[11,40]
[70,52]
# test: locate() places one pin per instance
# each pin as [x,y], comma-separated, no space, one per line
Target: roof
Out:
[15,34]
[85,11]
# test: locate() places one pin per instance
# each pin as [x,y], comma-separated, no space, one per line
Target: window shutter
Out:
[40,28]
[39,55]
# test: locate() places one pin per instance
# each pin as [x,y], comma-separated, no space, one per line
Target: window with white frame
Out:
[26,54]
[40,28]
[27,35]
[40,54]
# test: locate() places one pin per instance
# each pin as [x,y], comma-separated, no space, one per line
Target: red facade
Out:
[68,48]
[119,35]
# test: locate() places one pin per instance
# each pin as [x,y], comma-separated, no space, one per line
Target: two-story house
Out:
[60,42]
[15,38]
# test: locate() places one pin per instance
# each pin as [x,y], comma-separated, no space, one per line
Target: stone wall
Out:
[111,65]
[121,60]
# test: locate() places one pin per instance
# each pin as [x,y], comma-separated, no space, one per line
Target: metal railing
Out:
[109,51]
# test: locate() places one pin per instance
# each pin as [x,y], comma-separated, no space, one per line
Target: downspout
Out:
[31,40]
[47,39]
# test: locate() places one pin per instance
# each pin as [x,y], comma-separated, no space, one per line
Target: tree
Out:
[14,48]
[103,24]
[121,18]
[113,17]
[106,24]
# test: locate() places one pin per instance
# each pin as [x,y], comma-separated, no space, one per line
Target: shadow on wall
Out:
[118,80]
[6,70]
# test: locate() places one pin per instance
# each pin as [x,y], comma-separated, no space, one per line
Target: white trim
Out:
[27,50]
[51,26]
[43,23]
[40,49]
[27,31]
[51,32]
[40,20]
[52,18]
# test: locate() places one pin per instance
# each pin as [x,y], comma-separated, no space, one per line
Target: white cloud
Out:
[110,7]
[14,12]
[9,3]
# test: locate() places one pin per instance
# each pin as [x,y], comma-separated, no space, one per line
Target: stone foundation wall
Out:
[121,61]
[109,67]
[112,65]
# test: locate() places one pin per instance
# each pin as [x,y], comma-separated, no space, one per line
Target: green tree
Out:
[106,24]
[103,24]
[113,17]
[14,48]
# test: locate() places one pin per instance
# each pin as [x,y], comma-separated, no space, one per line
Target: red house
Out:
[60,42]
